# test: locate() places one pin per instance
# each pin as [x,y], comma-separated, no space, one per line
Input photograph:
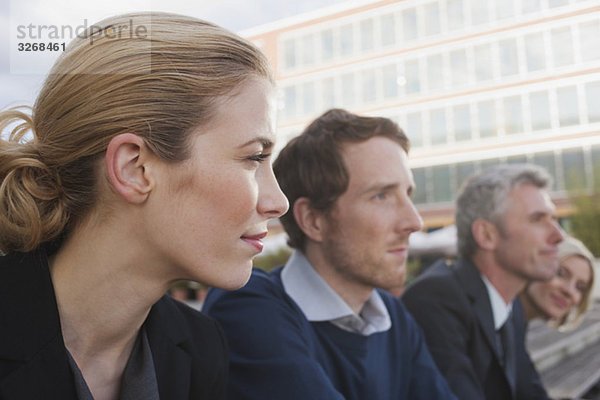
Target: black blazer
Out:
[189,351]
[452,306]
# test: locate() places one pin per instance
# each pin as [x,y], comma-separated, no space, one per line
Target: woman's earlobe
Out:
[127,169]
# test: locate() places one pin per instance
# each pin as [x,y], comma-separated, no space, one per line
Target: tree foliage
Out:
[586,220]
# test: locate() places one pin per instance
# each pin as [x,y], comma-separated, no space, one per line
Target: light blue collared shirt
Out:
[500,309]
[319,302]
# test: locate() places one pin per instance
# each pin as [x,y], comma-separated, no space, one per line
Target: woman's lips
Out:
[255,240]
[560,302]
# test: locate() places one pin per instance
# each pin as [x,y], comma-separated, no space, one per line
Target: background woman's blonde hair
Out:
[156,75]
[567,248]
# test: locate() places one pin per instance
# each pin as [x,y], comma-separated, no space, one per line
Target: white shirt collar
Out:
[319,302]
[500,309]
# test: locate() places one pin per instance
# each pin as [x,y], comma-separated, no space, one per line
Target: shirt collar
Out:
[319,302]
[500,309]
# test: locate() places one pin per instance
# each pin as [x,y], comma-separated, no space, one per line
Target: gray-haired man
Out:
[507,236]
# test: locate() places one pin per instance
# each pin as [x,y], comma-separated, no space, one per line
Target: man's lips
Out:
[400,251]
[255,240]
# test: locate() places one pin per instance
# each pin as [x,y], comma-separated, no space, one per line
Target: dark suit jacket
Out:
[452,306]
[189,351]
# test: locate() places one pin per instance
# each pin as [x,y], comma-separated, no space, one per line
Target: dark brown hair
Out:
[312,165]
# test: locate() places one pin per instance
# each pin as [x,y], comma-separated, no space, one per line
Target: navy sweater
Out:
[276,353]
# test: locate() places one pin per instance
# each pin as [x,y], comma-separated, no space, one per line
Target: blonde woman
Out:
[147,162]
[563,300]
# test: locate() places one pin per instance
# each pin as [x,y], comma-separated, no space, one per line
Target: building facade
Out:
[472,82]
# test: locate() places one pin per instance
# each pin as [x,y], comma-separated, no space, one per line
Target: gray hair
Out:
[483,196]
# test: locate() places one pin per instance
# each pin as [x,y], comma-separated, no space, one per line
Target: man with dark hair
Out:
[319,327]
[507,236]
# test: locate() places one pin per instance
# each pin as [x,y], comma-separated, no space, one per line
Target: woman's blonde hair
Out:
[569,247]
[156,75]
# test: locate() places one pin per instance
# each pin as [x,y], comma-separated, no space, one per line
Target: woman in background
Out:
[563,300]
[145,161]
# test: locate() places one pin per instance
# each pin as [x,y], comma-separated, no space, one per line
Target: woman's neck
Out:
[104,295]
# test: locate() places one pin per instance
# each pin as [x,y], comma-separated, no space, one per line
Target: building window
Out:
[539,110]
[435,72]
[592,95]
[390,82]
[519,159]
[290,101]
[458,66]
[366,35]
[574,169]
[409,24]
[562,45]
[346,40]
[462,122]
[513,115]
[420,192]
[487,118]
[483,62]
[557,3]
[463,172]
[489,163]
[505,9]
[438,128]
[531,6]
[328,90]
[388,30]
[348,97]
[289,51]
[480,11]
[327,45]
[546,161]
[432,18]
[455,13]
[369,86]
[589,36]
[414,129]
[411,71]
[509,63]
[308,98]
[442,184]
[568,108]
[308,49]
[534,52]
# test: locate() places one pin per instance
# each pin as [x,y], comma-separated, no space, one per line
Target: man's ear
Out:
[311,221]
[127,159]
[485,234]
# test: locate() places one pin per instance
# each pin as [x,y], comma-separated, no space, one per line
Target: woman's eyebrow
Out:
[265,142]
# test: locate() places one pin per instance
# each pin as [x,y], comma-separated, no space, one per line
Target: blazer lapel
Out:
[171,361]
[477,292]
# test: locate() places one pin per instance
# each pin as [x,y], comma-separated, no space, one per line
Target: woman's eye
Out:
[562,272]
[581,287]
[259,157]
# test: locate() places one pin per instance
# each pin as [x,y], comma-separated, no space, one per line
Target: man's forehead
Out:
[531,198]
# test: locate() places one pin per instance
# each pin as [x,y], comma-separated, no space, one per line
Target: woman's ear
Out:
[308,219]
[127,165]
[485,234]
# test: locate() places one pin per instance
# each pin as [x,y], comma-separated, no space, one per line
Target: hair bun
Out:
[31,211]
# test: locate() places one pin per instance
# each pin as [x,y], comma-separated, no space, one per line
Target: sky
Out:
[22,73]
